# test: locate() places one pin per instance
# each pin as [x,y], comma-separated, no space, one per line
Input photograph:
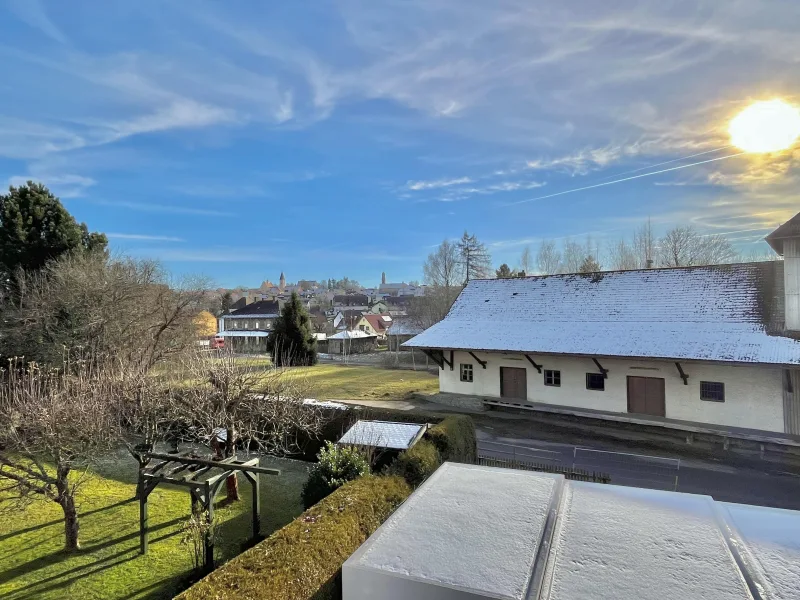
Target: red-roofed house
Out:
[375,325]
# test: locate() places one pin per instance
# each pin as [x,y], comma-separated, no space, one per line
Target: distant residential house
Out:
[351,301]
[376,324]
[247,329]
[352,342]
[378,307]
[401,331]
[713,345]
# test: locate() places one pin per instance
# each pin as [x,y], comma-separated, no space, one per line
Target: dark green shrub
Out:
[337,465]
[454,438]
[303,560]
[416,464]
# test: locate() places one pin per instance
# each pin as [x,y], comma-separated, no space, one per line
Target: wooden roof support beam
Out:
[603,371]
[684,376]
[432,354]
[227,463]
[482,363]
[536,366]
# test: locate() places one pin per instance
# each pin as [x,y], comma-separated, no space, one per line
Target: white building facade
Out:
[715,345]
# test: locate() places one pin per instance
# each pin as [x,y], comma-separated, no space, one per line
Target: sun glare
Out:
[769,126]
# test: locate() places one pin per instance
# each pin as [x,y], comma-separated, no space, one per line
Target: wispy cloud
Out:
[143,237]
[164,208]
[33,13]
[219,190]
[65,186]
[437,183]
[224,254]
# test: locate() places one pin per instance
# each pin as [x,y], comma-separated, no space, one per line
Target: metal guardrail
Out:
[639,470]
[568,472]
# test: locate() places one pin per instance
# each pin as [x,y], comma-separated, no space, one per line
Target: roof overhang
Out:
[610,356]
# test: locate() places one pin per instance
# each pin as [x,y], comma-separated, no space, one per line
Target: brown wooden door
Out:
[646,396]
[513,383]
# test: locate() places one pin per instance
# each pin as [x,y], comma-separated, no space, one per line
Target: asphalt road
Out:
[725,482]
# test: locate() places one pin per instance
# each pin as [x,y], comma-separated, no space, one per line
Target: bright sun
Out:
[768,126]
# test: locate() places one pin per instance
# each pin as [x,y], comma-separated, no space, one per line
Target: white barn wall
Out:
[753,394]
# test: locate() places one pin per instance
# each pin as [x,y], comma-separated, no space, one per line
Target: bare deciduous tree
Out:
[644,246]
[123,309]
[526,261]
[54,423]
[622,256]
[431,308]
[232,402]
[443,267]
[572,257]
[684,247]
[548,259]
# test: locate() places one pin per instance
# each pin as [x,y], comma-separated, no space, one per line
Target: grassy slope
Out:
[365,383]
[32,564]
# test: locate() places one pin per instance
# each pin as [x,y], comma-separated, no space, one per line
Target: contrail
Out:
[589,187]
[668,162]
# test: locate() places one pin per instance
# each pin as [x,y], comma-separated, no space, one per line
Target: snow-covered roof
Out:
[405,327]
[383,434]
[480,532]
[320,337]
[726,313]
[350,335]
[237,333]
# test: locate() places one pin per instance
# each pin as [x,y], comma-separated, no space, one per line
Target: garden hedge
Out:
[417,463]
[303,560]
[454,438]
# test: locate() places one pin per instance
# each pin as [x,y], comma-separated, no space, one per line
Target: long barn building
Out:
[713,345]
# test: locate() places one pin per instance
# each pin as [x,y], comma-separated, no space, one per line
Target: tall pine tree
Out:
[292,340]
[35,228]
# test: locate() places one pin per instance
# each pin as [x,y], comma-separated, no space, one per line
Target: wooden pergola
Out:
[203,478]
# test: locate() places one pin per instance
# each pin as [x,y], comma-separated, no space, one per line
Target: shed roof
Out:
[351,335]
[383,434]
[481,532]
[724,313]
[406,326]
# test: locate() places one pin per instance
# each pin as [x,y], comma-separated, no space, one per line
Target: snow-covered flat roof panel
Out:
[468,527]
[479,532]
[619,543]
[726,313]
[771,543]
[382,434]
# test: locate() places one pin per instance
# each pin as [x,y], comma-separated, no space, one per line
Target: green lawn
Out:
[346,382]
[109,567]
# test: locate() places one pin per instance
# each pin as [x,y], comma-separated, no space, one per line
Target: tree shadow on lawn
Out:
[81,515]
[35,590]
[60,555]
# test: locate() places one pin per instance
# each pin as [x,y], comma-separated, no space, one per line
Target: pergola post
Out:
[172,470]
[209,538]
[255,485]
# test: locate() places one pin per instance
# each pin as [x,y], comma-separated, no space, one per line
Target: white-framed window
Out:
[712,391]
[595,381]
[552,378]
[466,372]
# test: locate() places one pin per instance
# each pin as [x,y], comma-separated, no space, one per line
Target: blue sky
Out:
[238,139]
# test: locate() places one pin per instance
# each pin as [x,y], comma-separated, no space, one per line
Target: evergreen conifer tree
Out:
[292,340]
